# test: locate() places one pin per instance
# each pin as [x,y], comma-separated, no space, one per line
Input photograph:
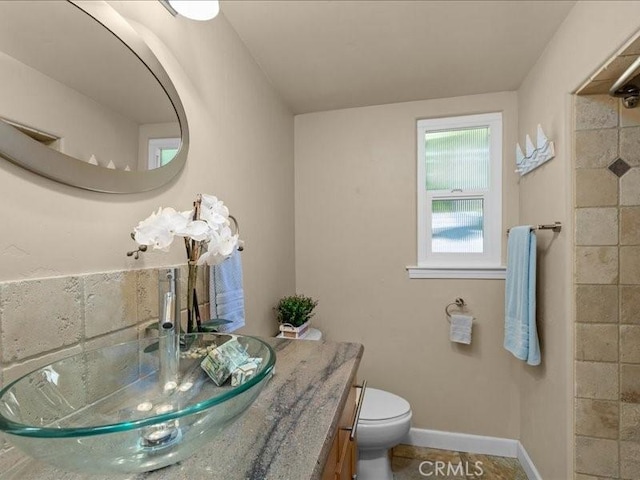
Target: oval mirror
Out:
[84,101]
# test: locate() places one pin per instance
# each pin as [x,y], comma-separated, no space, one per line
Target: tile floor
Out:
[447,465]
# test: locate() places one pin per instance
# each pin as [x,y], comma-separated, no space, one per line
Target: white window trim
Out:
[466,265]
[155,147]
[488,273]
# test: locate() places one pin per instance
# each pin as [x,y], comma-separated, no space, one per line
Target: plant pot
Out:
[289,331]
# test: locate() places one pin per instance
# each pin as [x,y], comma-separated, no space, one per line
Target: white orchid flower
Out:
[212,230]
[221,245]
[213,211]
[196,229]
[227,242]
[160,228]
[156,230]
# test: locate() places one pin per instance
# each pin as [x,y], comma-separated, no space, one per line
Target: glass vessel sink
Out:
[111,410]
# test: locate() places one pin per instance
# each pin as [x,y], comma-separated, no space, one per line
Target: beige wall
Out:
[592,32]
[241,149]
[355,174]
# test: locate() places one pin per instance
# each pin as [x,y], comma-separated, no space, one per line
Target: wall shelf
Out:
[535,156]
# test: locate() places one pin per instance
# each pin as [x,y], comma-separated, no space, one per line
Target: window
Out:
[162,151]
[459,193]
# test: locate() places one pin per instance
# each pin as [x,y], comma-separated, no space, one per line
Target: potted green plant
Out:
[294,313]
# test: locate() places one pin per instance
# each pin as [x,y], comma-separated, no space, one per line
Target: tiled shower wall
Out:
[607,289]
[45,320]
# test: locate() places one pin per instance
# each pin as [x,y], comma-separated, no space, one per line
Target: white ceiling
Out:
[324,55]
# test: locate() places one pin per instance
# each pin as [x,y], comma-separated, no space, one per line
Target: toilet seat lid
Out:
[381,405]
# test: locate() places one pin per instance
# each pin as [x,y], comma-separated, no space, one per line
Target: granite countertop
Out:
[285,435]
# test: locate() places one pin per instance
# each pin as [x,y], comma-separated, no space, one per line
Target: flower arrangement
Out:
[208,239]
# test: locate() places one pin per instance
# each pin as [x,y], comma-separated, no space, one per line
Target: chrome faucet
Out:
[169,327]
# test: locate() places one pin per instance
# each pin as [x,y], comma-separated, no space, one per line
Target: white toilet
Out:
[385,419]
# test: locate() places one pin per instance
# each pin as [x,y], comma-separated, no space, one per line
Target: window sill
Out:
[484,273]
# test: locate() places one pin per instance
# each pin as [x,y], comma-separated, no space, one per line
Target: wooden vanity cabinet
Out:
[342,461]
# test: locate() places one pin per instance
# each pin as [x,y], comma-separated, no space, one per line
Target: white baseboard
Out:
[464,442]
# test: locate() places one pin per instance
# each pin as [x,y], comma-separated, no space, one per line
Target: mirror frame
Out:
[26,152]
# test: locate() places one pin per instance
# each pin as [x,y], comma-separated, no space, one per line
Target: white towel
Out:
[226,293]
[460,331]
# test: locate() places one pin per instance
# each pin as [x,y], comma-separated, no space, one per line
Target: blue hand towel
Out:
[226,293]
[520,332]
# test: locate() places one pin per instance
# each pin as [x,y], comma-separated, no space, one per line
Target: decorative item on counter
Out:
[197,352]
[208,239]
[294,313]
[93,160]
[245,371]
[127,168]
[223,360]
[111,165]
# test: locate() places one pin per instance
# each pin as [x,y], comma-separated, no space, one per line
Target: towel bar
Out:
[556,227]
[459,302]
[237,232]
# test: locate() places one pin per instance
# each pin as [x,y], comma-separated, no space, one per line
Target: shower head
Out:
[623,88]
[630,95]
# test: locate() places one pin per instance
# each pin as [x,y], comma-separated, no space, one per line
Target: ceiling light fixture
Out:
[193,9]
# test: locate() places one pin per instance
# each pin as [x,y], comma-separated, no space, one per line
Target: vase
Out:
[195,322]
[193,312]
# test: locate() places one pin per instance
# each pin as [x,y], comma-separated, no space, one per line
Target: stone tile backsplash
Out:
[45,320]
[597,380]
[596,112]
[630,345]
[597,418]
[597,456]
[597,265]
[630,226]
[630,188]
[598,343]
[630,145]
[607,290]
[596,148]
[629,421]
[629,304]
[630,265]
[630,383]
[102,314]
[596,187]
[589,222]
[630,460]
[597,303]
[40,316]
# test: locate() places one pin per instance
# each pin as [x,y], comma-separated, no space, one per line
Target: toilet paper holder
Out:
[458,302]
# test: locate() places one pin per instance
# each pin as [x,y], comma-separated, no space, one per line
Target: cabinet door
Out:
[346,463]
[329,472]
[342,460]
